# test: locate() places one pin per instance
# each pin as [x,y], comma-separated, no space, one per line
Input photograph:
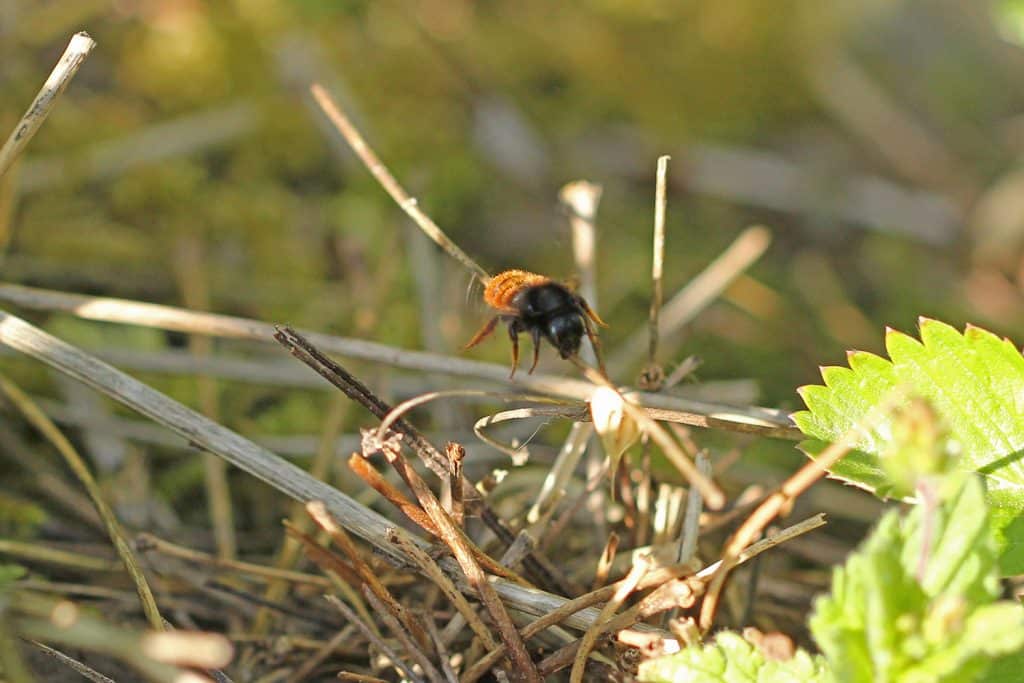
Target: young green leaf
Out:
[918,601]
[974,382]
[731,659]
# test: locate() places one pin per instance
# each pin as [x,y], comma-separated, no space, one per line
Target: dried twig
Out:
[407,203]
[522,665]
[432,571]
[302,349]
[318,511]
[75,53]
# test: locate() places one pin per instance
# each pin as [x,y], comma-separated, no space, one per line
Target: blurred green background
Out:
[187,164]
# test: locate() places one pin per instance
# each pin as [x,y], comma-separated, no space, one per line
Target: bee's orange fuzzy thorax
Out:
[502,287]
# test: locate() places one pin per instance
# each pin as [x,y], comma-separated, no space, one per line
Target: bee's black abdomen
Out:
[542,301]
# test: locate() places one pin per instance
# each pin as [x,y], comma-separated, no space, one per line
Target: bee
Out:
[534,303]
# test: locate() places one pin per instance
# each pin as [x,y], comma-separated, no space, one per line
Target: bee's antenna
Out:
[373,164]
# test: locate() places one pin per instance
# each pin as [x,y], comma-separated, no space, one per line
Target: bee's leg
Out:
[513,333]
[585,307]
[536,348]
[596,344]
[483,333]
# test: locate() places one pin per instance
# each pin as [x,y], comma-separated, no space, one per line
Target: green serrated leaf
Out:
[917,602]
[975,383]
[731,659]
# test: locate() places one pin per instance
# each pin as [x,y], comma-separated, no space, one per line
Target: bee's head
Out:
[565,331]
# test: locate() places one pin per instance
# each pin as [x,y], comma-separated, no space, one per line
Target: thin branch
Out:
[374,165]
[305,351]
[763,421]
[75,53]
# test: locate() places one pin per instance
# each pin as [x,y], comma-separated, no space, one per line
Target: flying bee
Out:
[533,303]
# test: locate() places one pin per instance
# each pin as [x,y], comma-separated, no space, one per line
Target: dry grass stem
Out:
[655,577]
[192,279]
[318,658]
[37,552]
[641,566]
[405,406]
[452,536]
[442,653]
[764,421]
[368,633]
[67,66]
[211,436]
[369,474]
[712,495]
[359,678]
[302,349]
[327,446]
[318,512]
[432,571]
[581,199]
[81,669]
[698,294]
[376,167]
[691,520]
[604,563]
[453,485]
[41,423]
[145,542]
[653,376]
[777,503]
[411,648]
[328,561]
